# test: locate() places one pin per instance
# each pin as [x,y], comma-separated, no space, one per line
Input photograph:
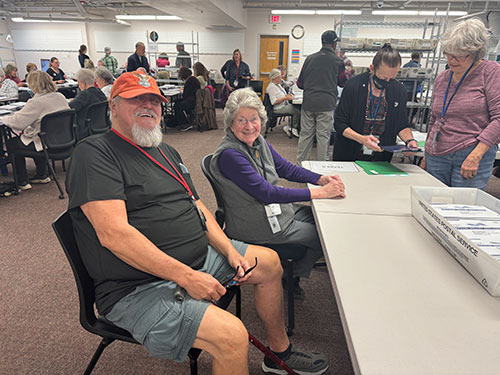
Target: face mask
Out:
[379,83]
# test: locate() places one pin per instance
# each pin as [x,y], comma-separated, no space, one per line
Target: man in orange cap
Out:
[143,232]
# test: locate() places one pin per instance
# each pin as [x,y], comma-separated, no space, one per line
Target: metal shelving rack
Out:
[430,30]
[154,52]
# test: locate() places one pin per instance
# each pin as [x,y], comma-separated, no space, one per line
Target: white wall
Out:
[6,51]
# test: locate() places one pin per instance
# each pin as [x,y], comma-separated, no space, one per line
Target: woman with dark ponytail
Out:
[372,112]
[82,55]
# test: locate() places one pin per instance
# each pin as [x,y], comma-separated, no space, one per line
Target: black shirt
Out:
[56,76]
[105,167]
[82,58]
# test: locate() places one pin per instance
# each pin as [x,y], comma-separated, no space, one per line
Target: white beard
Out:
[147,137]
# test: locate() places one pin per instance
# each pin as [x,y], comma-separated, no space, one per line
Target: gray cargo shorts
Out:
[167,329]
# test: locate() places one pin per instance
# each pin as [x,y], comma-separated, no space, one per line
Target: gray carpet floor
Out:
[39,322]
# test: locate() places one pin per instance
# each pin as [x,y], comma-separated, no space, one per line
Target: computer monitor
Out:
[45,64]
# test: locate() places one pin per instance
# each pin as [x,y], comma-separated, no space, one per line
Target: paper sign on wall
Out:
[295,56]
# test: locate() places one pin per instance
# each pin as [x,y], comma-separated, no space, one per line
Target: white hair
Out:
[243,98]
[85,75]
[467,37]
[147,137]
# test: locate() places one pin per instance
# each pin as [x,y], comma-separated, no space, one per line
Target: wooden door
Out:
[273,52]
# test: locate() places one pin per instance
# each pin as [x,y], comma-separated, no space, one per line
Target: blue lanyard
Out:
[372,114]
[445,106]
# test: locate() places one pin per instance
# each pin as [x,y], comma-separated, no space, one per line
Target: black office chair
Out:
[24,96]
[57,133]
[97,119]
[63,227]
[271,116]
[257,86]
[287,253]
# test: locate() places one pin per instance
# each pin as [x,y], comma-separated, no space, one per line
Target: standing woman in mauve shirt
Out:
[464,126]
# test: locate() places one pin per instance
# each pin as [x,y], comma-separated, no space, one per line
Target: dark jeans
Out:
[14,147]
[179,107]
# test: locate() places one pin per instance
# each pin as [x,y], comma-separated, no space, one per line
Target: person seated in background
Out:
[200,72]
[183,57]
[100,64]
[186,103]
[104,80]
[137,59]
[30,67]
[247,169]
[162,60]
[284,83]
[121,203]
[82,56]
[27,122]
[88,95]
[372,112]
[8,87]
[57,74]
[280,101]
[236,72]
[11,73]
[346,69]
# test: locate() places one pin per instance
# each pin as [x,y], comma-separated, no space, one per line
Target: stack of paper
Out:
[479,224]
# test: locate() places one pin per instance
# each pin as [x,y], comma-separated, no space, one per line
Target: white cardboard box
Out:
[484,268]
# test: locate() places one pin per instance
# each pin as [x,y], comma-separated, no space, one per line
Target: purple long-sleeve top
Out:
[473,114]
[235,167]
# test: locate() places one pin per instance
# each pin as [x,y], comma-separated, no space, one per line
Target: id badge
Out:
[367,151]
[274,224]
[235,83]
[273,209]
[201,215]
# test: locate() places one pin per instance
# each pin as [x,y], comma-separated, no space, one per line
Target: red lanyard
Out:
[180,179]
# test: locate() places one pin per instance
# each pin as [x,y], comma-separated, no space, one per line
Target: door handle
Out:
[265,73]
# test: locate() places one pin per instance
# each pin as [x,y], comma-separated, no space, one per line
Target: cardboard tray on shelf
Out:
[484,268]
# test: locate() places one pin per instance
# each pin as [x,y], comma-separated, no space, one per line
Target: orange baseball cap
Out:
[132,84]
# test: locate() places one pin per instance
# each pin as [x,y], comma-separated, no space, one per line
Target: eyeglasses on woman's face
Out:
[457,58]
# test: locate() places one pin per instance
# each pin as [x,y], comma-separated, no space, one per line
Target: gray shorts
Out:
[165,328]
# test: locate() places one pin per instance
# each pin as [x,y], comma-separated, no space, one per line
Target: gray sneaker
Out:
[301,362]
[40,179]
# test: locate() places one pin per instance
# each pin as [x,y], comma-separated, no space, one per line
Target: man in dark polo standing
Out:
[318,78]
[137,59]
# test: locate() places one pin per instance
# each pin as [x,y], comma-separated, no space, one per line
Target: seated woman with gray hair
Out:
[104,80]
[8,88]
[464,126]
[88,95]
[27,122]
[246,170]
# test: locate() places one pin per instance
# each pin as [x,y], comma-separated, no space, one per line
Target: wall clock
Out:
[298,31]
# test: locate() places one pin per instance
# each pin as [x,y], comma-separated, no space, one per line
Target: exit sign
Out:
[273,18]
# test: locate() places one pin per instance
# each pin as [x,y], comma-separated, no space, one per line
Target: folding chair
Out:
[97,120]
[287,253]
[63,227]
[257,86]
[271,116]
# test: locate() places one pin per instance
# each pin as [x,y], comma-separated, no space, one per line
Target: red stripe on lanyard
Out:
[179,179]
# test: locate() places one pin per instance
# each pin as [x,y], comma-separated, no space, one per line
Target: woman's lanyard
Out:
[435,138]
[179,179]
[373,115]
[445,106]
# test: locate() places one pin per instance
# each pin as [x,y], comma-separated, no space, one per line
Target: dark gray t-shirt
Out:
[106,167]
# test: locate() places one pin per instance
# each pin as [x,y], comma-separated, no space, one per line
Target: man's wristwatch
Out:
[409,140]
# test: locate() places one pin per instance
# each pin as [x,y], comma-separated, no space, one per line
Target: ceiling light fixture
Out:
[395,12]
[339,11]
[26,19]
[146,17]
[168,18]
[452,13]
[293,11]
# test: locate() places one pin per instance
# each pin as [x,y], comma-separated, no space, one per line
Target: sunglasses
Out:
[230,281]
